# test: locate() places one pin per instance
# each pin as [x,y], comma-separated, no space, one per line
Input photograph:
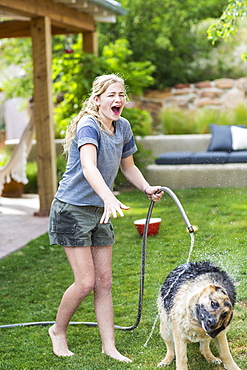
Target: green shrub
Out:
[176,121]
[61,166]
[140,120]
[32,171]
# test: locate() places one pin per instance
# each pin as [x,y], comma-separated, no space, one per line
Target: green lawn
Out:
[34,278]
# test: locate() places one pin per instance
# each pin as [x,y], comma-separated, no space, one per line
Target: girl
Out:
[98,142]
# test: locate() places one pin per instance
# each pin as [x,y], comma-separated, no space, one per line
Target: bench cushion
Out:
[175,158]
[210,157]
[193,158]
[239,138]
[221,137]
[239,156]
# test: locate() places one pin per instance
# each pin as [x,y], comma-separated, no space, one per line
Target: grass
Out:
[34,278]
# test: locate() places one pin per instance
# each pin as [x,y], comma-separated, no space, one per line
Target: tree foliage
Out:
[16,52]
[227,25]
[157,44]
[161,32]
[118,57]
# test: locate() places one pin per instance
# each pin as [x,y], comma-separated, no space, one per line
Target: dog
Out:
[196,304]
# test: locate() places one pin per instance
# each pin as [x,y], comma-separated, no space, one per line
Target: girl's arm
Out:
[112,205]
[134,175]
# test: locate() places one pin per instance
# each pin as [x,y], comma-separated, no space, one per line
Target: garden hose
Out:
[142,273]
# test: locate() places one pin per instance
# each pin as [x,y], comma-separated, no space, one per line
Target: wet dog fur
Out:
[196,304]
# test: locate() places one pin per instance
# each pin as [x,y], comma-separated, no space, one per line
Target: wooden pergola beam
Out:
[90,42]
[43,112]
[59,14]
[23,29]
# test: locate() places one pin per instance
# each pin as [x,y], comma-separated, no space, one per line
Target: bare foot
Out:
[59,343]
[116,355]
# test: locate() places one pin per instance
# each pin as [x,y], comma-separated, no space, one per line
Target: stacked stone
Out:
[218,94]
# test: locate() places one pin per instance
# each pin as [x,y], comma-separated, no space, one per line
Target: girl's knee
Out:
[104,282]
[85,286]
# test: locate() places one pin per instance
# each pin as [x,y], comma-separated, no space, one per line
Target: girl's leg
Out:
[102,257]
[80,259]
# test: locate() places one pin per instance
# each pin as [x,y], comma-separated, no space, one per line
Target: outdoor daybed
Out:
[218,159]
[227,145]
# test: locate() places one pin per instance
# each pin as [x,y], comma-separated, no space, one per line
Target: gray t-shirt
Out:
[74,188]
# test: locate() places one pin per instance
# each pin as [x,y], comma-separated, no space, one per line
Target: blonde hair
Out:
[100,85]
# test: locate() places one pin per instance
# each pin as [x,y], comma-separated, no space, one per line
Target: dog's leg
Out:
[170,354]
[206,352]
[225,355]
[180,348]
[166,334]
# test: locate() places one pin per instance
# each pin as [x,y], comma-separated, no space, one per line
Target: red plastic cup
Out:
[153,226]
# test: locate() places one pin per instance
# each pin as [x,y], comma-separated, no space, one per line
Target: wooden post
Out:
[43,112]
[90,42]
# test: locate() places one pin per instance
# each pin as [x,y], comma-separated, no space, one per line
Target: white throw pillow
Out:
[239,138]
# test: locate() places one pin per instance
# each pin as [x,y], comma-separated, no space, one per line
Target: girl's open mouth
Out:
[116,110]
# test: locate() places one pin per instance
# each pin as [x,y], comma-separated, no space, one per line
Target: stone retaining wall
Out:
[218,94]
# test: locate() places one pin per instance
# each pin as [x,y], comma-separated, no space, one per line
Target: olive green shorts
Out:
[76,226]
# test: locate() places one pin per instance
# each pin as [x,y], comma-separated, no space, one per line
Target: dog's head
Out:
[214,310]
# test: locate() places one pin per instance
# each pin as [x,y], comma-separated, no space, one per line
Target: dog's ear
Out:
[215,287]
[208,289]
[219,288]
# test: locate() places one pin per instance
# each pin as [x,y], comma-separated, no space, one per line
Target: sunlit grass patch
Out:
[34,278]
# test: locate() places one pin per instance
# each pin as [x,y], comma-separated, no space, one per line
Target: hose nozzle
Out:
[190,229]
